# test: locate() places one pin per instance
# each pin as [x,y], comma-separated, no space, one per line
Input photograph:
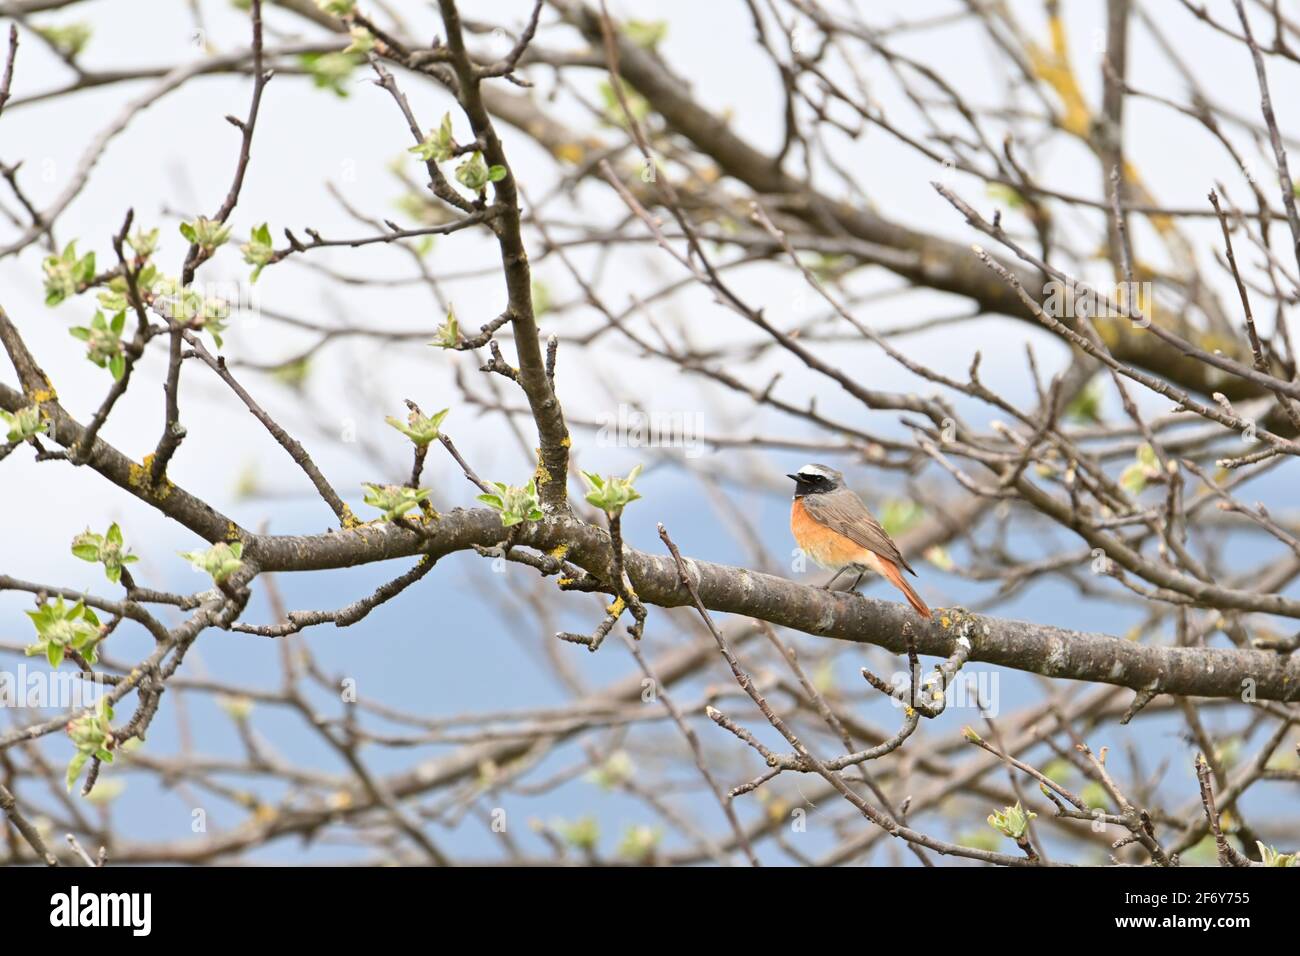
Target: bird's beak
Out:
[793,477]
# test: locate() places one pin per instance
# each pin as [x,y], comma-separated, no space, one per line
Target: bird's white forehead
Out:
[816,470]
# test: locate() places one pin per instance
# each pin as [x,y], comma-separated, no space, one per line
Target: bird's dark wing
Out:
[843,512]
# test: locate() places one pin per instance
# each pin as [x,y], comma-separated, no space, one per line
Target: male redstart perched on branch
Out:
[835,529]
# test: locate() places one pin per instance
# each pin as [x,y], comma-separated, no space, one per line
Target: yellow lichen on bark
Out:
[137,477]
[1053,68]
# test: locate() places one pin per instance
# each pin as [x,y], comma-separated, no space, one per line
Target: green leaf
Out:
[87,552]
[939,557]
[447,335]
[1133,480]
[473,173]
[293,373]
[979,840]
[646,33]
[1270,856]
[420,428]
[237,707]
[75,765]
[899,515]
[68,39]
[330,71]
[106,791]
[639,842]
[611,494]
[582,834]
[1086,406]
[67,274]
[108,549]
[59,627]
[23,424]
[259,251]
[1146,467]
[205,233]
[637,105]
[144,244]
[1011,821]
[394,500]
[363,41]
[617,769]
[515,504]
[220,561]
[541,298]
[438,146]
[1006,195]
[1094,796]
[92,735]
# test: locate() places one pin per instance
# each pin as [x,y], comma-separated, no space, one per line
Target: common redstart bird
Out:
[835,529]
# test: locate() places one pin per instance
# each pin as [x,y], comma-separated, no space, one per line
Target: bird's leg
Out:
[858,580]
[834,577]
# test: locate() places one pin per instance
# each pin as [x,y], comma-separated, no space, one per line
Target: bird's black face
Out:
[811,483]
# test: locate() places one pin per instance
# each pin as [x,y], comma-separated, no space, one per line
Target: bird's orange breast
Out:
[828,548]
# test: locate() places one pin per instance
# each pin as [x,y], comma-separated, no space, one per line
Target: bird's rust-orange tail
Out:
[890,570]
